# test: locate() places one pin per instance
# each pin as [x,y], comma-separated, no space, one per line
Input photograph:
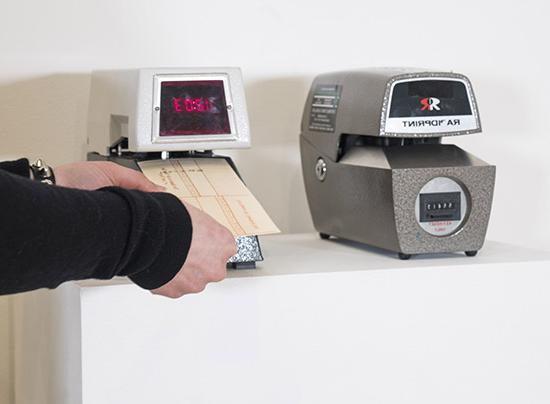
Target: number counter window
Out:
[193,108]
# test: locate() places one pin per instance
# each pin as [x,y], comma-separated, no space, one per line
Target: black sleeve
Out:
[51,234]
[19,167]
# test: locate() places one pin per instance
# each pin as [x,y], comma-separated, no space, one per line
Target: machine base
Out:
[402,256]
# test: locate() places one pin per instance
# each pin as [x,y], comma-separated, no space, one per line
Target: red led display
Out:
[190,105]
[193,108]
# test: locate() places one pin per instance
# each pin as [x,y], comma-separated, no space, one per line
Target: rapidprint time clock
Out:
[375,168]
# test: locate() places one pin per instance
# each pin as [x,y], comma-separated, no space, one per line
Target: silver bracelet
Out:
[42,172]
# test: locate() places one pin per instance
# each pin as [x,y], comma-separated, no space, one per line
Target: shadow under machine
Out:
[375,169]
[140,115]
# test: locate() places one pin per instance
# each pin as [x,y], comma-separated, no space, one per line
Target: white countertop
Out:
[319,322]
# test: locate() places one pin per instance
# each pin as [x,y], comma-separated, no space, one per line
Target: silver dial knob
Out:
[321,169]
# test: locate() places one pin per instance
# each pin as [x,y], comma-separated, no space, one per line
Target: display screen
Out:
[193,108]
[429,98]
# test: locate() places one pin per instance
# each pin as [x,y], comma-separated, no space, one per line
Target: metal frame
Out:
[142,136]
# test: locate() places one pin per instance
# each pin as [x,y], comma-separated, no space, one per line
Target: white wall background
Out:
[47,50]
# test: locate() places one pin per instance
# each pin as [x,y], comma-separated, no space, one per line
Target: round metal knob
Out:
[321,169]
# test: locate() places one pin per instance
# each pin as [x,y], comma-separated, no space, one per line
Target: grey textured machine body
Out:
[370,184]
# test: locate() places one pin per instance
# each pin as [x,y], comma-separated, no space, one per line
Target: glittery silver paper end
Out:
[248,250]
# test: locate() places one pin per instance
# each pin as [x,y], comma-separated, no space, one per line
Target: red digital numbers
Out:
[190,104]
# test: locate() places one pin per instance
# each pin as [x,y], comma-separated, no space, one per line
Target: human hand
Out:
[211,246]
[92,175]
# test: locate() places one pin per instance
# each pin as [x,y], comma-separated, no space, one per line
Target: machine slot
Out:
[348,142]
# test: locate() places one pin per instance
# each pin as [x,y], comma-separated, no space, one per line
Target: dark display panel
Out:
[193,108]
[429,98]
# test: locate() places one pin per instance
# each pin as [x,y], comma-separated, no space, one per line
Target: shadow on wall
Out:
[272,168]
[45,117]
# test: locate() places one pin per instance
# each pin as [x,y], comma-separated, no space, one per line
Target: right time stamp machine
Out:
[376,171]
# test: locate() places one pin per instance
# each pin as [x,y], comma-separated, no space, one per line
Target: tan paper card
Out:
[211,185]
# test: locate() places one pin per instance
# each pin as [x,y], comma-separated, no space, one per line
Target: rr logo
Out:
[430,103]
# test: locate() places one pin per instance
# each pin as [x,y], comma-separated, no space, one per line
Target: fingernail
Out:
[161,188]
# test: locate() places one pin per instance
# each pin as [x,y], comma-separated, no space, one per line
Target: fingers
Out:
[229,244]
[185,283]
[181,285]
[211,247]
[208,230]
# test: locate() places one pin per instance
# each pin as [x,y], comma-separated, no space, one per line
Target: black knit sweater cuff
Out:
[177,241]
[19,167]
